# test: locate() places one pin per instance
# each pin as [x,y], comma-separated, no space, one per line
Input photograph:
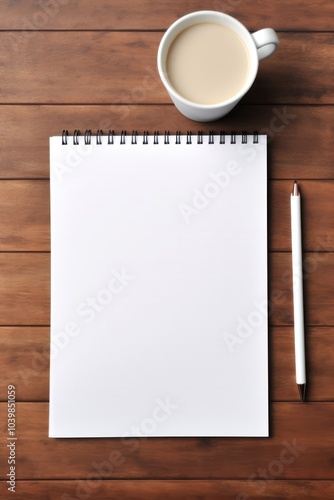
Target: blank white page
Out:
[158,288]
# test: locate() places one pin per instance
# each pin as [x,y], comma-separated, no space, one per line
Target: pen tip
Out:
[295,190]
[302,391]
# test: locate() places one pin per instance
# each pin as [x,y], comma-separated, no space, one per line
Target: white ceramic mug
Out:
[260,45]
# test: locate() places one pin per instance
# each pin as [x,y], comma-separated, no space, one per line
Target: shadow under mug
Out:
[260,45]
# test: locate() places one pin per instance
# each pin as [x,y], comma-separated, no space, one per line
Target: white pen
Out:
[298,301]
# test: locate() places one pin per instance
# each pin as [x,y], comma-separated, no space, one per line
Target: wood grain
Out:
[198,489]
[318,290]
[317,217]
[307,426]
[25,288]
[24,216]
[147,14]
[24,362]
[301,144]
[96,67]
[319,367]
[92,65]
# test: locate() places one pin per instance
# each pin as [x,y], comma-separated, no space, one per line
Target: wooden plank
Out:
[278,83]
[300,447]
[25,294]
[24,215]
[25,288]
[24,362]
[112,67]
[25,207]
[148,14]
[103,69]
[320,369]
[318,297]
[301,140]
[214,489]
[317,217]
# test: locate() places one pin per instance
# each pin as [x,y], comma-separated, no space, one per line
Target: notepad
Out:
[158,285]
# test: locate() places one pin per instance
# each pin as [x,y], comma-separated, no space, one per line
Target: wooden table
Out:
[93,65]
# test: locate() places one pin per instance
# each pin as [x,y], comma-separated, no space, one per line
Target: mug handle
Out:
[266,42]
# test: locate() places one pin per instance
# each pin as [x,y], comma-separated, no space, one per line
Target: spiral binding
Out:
[213,137]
